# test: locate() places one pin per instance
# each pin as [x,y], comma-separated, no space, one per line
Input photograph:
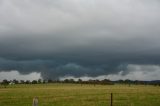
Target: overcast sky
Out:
[79,38]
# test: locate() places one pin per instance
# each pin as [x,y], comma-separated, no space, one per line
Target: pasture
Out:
[77,95]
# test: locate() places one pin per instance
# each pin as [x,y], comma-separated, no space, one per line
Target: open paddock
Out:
[76,95]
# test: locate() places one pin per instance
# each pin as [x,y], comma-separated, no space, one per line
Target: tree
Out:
[5,83]
[39,81]
[34,82]
[71,81]
[27,82]
[15,81]
[22,81]
[44,81]
[107,82]
[80,81]
[50,81]
[66,81]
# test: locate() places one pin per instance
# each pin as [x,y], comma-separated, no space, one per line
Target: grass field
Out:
[77,95]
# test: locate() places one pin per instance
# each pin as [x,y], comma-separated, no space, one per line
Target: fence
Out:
[105,99]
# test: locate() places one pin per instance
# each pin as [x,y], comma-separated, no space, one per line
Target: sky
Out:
[88,39]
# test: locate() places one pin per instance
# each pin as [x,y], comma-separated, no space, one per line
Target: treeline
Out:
[138,82]
[80,81]
[40,81]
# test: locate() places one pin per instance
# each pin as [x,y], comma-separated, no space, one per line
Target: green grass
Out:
[77,95]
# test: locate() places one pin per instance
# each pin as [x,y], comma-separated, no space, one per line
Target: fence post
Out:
[35,101]
[111,99]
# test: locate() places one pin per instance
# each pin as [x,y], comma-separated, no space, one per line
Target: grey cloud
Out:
[97,37]
[14,74]
[134,72]
[52,69]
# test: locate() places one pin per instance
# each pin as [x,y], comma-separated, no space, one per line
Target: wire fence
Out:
[96,99]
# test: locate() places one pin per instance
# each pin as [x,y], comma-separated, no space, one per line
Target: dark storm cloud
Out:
[78,37]
[53,69]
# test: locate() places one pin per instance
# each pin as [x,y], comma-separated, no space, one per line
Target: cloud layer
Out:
[134,72]
[78,37]
[16,75]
